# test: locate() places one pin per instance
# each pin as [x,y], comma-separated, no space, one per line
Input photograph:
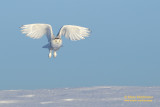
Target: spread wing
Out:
[73,32]
[36,31]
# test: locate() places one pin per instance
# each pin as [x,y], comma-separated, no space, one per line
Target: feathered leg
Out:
[50,53]
[55,54]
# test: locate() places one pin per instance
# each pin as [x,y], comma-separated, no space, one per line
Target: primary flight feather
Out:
[71,32]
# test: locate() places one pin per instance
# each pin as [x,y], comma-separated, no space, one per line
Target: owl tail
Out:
[47,46]
[55,54]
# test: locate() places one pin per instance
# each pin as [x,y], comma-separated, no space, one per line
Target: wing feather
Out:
[73,32]
[36,31]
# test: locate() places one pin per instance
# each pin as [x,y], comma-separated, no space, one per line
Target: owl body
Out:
[56,44]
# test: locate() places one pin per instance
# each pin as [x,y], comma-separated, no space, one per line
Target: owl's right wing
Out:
[36,31]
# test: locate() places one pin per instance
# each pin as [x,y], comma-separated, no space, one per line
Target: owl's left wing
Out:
[73,32]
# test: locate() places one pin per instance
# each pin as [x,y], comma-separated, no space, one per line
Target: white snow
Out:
[9,101]
[100,96]
[27,96]
[68,99]
[47,102]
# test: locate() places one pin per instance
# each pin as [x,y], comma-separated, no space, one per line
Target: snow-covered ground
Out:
[101,96]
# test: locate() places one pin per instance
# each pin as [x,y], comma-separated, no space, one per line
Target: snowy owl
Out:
[71,32]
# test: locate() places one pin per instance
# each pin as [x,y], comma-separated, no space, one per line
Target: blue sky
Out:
[123,49]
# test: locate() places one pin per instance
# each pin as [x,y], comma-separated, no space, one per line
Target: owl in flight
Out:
[71,32]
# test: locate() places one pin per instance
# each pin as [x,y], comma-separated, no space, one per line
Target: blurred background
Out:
[123,49]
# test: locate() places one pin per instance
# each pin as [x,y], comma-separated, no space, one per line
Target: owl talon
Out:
[55,54]
[50,55]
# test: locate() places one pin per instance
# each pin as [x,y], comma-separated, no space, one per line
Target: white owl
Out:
[71,32]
